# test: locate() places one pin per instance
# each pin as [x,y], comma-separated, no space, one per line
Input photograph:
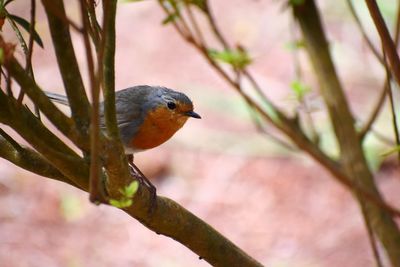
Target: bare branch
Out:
[59,119]
[95,166]
[387,41]
[28,159]
[43,140]
[375,111]
[352,156]
[68,64]
[393,110]
[94,27]
[374,51]
[107,63]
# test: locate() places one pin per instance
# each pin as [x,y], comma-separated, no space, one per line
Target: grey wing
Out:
[128,112]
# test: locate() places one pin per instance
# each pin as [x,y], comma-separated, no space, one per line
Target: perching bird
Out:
[147,116]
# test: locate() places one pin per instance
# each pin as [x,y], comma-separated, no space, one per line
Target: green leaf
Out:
[299,89]
[26,25]
[123,203]
[131,189]
[236,58]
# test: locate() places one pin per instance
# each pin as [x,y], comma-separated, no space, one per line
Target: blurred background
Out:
[279,206]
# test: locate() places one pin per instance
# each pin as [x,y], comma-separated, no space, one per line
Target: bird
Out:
[147,116]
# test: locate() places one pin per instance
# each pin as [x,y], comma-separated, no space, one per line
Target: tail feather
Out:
[57,98]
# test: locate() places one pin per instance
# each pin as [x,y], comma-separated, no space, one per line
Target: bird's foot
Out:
[138,175]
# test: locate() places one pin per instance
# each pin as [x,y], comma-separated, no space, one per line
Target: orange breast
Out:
[159,126]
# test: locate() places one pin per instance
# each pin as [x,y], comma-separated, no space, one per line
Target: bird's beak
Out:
[192,114]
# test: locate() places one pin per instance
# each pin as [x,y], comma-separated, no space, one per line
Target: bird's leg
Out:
[135,172]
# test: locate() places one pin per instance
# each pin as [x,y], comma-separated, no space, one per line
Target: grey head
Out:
[134,103]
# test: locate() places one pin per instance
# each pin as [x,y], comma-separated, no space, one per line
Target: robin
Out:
[147,116]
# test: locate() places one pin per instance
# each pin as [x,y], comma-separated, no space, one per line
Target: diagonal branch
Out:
[28,159]
[353,12]
[284,124]
[387,41]
[43,140]
[68,64]
[58,118]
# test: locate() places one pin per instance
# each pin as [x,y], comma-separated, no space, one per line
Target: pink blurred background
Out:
[280,207]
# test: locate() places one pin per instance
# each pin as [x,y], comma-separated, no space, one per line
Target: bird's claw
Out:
[138,175]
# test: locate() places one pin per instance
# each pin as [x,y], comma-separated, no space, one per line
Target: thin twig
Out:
[353,12]
[95,194]
[61,15]
[397,27]
[375,111]
[178,28]
[387,41]
[284,124]
[261,129]
[184,24]
[385,88]
[314,136]
[393,110]
[94,27]
[220,37]
[28,65]
[193,21]
[214,27]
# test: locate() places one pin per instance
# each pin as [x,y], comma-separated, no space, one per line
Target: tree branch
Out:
[43,140]
[352,156]
[282,123]
[95,164]
[172,220]
[387,41]
[39,98]
[108,62]
[374,51]
[28,159]
[68,64]
[116,161]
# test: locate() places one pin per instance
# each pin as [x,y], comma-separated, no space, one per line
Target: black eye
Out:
[171,105]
